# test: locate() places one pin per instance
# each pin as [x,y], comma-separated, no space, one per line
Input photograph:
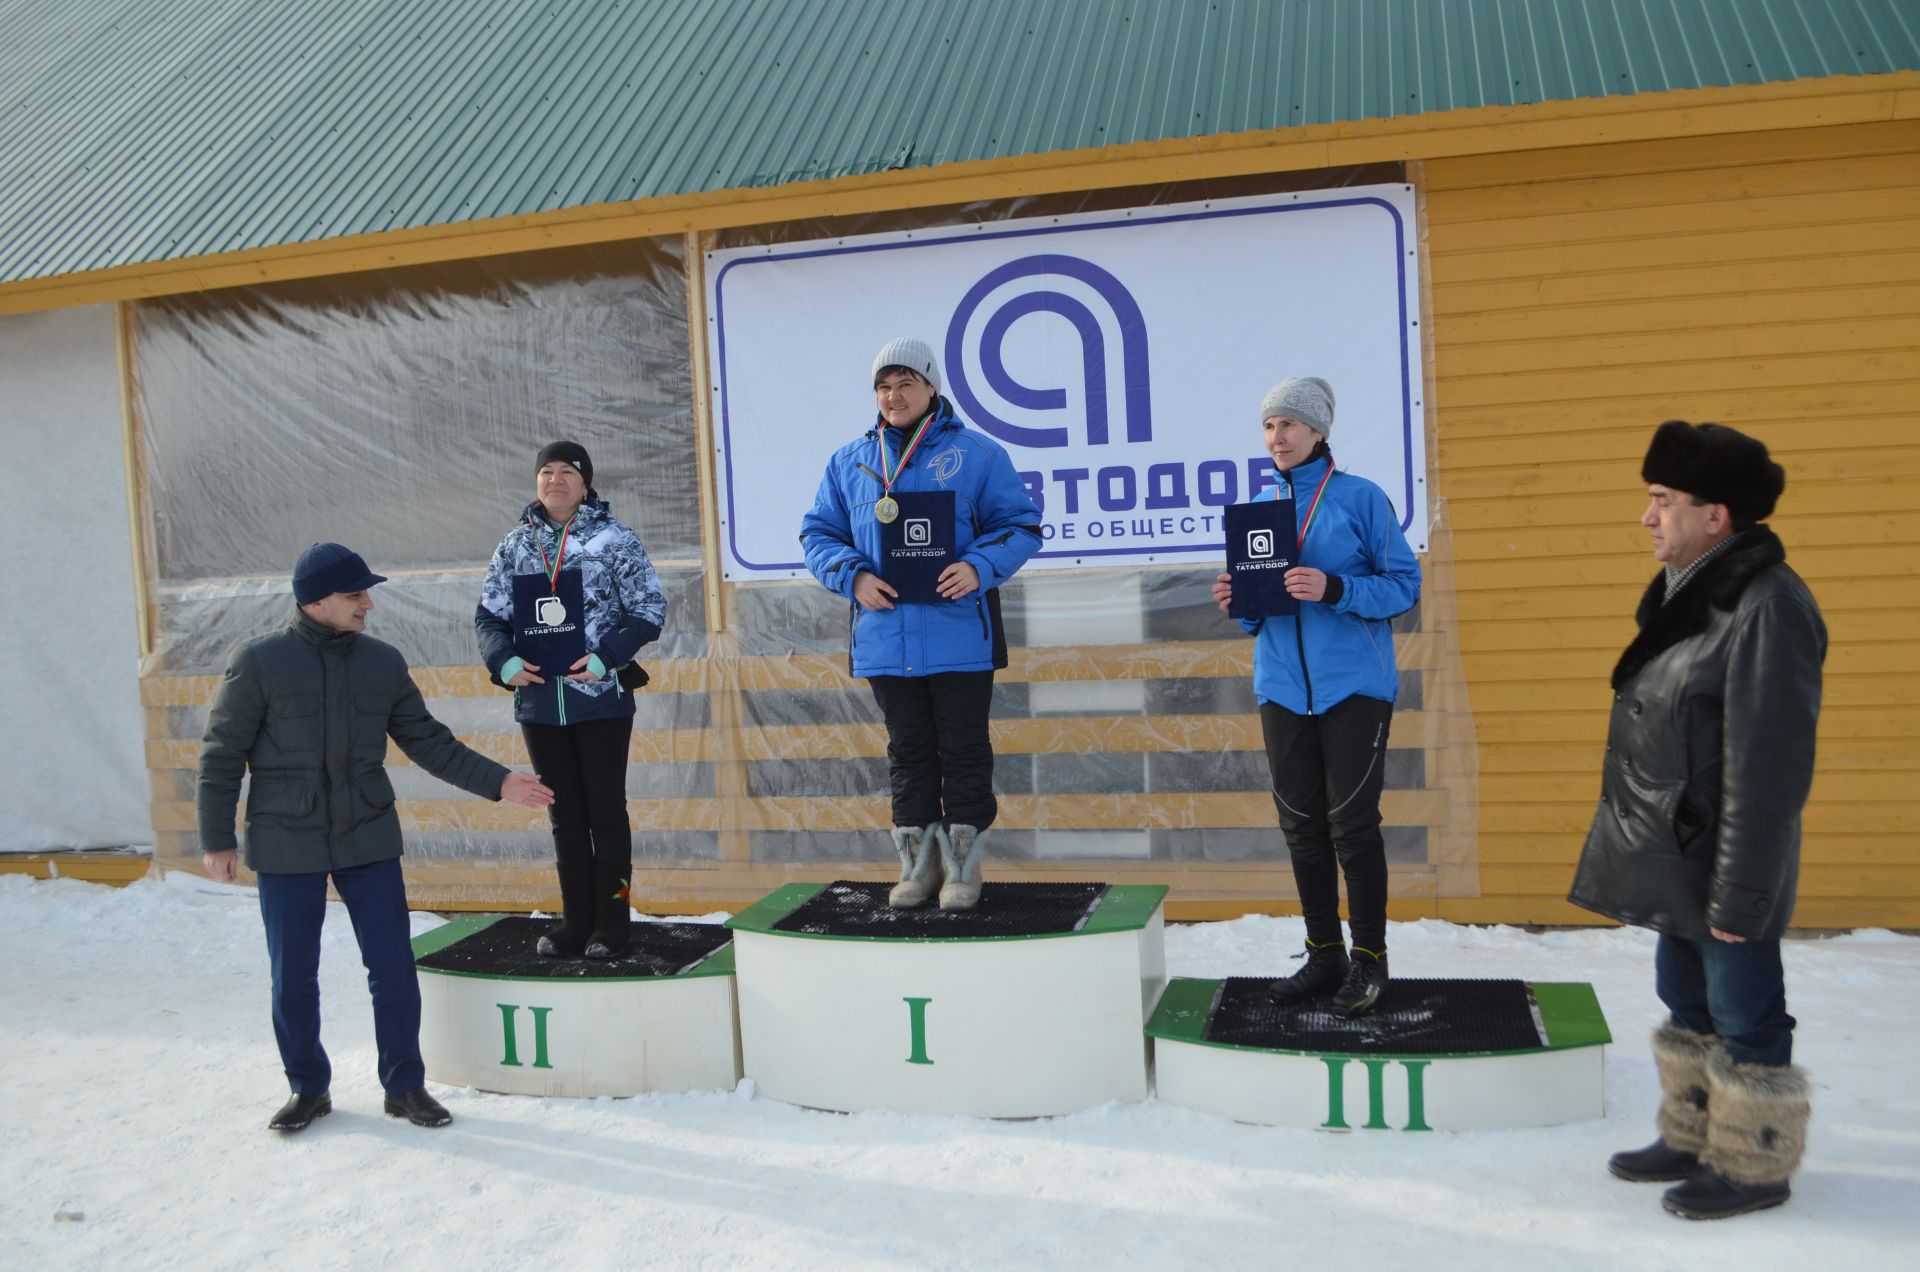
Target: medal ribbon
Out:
[888,478]
[1314,507]
[553,567]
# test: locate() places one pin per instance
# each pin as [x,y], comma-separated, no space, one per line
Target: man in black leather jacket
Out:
[1708,763]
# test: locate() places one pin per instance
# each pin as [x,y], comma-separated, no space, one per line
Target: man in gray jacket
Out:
[309,710]
[1708,764]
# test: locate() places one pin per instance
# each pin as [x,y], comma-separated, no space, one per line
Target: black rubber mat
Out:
[1006,909]
[1413,1017]
[506,949]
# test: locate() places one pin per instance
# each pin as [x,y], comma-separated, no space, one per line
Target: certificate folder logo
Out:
[1259,545]
[550,611]
[918,532]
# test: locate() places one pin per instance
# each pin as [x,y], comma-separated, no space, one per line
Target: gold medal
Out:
[885,509]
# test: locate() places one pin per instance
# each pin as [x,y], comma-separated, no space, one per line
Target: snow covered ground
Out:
[137,1072]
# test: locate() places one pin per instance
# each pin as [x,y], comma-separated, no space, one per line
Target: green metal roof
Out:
[138,131]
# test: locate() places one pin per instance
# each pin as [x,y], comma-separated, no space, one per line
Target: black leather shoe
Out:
[297,1113]
[1711,1195]
[1657,1163]
[418,1107]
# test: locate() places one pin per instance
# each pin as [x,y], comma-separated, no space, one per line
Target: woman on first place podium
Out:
[1326,682]
[929,657]
[568,549]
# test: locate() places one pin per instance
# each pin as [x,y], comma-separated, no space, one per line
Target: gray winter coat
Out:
[310,710]
[1710,752]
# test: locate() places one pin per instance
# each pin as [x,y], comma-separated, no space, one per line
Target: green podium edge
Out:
[1569,1010]
[718,963]
[1126,907]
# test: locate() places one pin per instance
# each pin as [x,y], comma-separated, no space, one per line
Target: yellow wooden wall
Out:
[1769,281]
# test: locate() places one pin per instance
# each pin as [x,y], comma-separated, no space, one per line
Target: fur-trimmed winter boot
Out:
[1681,1056]
[920,872]
[1756,1134]
[963,855]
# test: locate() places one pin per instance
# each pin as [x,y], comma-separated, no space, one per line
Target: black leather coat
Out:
[1710,752]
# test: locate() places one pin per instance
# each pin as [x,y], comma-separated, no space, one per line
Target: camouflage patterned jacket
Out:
[625,609]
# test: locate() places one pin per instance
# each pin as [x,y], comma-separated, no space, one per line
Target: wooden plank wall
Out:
[1769,281]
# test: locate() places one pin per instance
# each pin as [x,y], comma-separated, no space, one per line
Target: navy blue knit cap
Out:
[326,568]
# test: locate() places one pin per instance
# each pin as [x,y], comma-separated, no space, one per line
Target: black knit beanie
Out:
[567,453]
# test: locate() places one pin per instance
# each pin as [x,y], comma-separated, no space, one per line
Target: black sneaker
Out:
[418,1107]
[1711,1195]
[297,1113]
[1366,978]
[1326,968]
[1657,1163]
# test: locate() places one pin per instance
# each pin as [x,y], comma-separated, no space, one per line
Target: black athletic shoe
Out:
[1657,1163]
[297,1113]
[1711,1195]
[418,1107]
[1326,968]
[1366,978]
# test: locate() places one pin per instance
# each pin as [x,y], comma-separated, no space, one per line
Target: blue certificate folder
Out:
[1262,541]
[918,544]
[541,634]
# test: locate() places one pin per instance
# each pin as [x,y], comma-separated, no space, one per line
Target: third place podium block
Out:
[1031,1005]
[1433,1055]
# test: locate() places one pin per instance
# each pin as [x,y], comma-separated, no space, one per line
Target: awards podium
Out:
[1433,1055]
[1031,1005]
[1047,999]
[496,1016]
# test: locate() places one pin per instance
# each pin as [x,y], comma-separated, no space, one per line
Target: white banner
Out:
[1120,357]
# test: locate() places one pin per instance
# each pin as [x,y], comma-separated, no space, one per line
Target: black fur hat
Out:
[1715,463]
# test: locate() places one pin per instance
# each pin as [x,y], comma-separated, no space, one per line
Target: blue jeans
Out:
[1733,990]
[293,907]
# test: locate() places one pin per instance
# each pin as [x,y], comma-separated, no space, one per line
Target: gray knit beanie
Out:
[914,354]
[1306,398]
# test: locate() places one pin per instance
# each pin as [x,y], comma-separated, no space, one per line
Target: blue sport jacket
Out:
[1342,646]
[996,528]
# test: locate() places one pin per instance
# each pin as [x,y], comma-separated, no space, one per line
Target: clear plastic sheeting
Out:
[400,412]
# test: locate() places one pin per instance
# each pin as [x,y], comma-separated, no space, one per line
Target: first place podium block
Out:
[1033,1005]
[496,1016]
[1434,1055]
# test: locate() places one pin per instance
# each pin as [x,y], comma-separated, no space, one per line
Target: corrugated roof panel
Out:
[145,130]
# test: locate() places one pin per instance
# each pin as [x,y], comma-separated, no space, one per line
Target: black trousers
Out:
[1328,771]
[938,752]
[586,765]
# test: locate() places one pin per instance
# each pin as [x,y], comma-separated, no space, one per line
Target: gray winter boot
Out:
[920,872]
[1681,1056]
[1756,1134]
[961,848]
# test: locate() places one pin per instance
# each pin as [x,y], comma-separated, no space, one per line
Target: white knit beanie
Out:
[914,354]
[1306,398]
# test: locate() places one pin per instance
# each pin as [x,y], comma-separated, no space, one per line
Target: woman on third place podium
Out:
[569,553]
[929,656]
[1326,682]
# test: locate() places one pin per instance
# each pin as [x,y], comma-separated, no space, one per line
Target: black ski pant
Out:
[586,765]
[938,752]
[1328,771]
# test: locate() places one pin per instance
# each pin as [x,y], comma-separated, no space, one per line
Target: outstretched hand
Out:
[525,789]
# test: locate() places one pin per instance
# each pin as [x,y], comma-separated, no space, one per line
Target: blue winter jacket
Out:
[625,610]
[996,528]
[1344,645]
